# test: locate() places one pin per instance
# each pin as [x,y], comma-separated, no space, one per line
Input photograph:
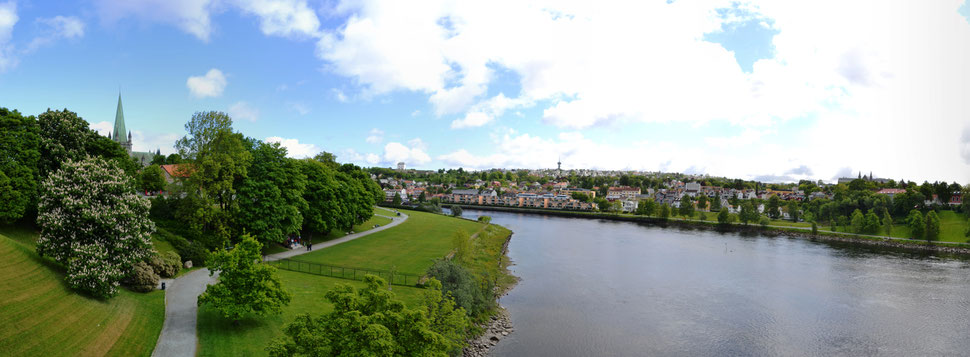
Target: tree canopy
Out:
[246,285]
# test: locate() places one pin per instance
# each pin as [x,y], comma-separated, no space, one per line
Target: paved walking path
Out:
[178,337]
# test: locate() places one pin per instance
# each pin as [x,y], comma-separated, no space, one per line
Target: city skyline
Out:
[753,90]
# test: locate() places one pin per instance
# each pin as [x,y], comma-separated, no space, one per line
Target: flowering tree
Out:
[92,221]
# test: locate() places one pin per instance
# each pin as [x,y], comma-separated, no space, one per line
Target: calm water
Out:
[602,288]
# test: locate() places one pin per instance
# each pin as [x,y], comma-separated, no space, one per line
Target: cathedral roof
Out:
[119,131]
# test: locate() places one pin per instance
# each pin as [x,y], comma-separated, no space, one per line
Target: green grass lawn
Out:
[409,248]
[41,316]
[219,337]
[317,238]
[384,211]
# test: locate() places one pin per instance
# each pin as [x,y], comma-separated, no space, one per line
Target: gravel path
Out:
[178,337]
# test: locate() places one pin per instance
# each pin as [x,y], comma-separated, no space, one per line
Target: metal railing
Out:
[351,273]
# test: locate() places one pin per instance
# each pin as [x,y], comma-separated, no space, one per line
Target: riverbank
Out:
[498,325]
[944,248]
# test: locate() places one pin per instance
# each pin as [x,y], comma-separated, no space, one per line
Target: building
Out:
[172,172]
[622,193]
[891,192]
[400,166]
[119,137]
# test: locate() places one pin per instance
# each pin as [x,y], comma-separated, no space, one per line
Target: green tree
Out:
[270,199]
[422,197]
[462,286]
[872,223]
[887,223]
[582,197]
[932,226]
[151,179]
[246,285]
[716,203]
[325,207]
[686,207]
[772,207]
[455,211]
[917,225]
[93,222]
[365,322]
[702,202]
[397,199]
[664,212]
[858,221]
[19,159]
[748,213]
[794,210]
[647,207]
[764,221]
[814,228]
[462,246]
[723,216]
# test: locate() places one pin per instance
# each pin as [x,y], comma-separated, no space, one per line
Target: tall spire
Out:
[120,122]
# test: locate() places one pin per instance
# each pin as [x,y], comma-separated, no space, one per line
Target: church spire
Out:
[120,122]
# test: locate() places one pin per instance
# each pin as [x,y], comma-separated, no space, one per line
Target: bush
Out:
[467,292]
[814,229]
[142,278]
[193,251]
[167,265]
[485,219]
[765,222]
[456,211]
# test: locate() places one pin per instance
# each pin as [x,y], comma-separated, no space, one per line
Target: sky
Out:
[761,89]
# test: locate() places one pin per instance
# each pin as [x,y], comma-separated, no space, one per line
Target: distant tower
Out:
[559,167]
[119,132]
[400,166]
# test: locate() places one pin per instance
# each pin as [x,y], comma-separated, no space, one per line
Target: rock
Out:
[505,333]
[187,264]
[493,338]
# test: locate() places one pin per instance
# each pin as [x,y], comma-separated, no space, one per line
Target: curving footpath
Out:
[178,337]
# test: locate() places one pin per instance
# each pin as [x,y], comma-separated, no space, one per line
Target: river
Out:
[604,288]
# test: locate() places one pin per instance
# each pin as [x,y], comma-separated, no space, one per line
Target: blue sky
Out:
[751,89]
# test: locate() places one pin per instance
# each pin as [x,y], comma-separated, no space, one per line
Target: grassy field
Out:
[366,226]
[40,316]
[219,337]
[384,211]
[410,247]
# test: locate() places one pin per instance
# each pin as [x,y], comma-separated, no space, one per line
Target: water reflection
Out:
[595,288]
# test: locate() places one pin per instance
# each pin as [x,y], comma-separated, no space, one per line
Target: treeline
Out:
[80,189]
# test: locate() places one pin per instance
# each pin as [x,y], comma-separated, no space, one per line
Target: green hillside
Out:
[40,316]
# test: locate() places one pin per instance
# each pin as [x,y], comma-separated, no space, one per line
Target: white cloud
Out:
[243,111]
[209,85]
[287,18]
[298,107]
[140,140]
[965,143]
[616,62]
[8,18]
[376,136]
[339,95]
[102,127]
[56,28]
[396,152]
[294,148]
[191,16]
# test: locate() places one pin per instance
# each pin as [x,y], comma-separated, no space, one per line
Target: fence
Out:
[335,271]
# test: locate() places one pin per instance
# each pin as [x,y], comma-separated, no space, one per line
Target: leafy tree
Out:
[917,225]
[858,221]
[456,210]
[602,204]
[365,322]
[764,221]
[582,197]
[462,244]
[748,213]
[93,221]
[63,135]
[664,212]
[716,203]
[887,223]
[152,179]
[173,159]
[872,223]
[19,157]
[397,199]
[702,202]
[793,210]
[814,228]
[723,216]
[687,206]
[270,198]
[325,206]
[772,206]
[422,197]
[932,226]
[485,219]
[246,285]
[647,207]
[458,282]
[158,160]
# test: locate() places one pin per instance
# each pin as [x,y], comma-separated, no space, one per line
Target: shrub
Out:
[193,251]
[485,219]
[456,210]
[156,262]
[173,264]
[814,229]
[142,278]
[462,285]
[765,222]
